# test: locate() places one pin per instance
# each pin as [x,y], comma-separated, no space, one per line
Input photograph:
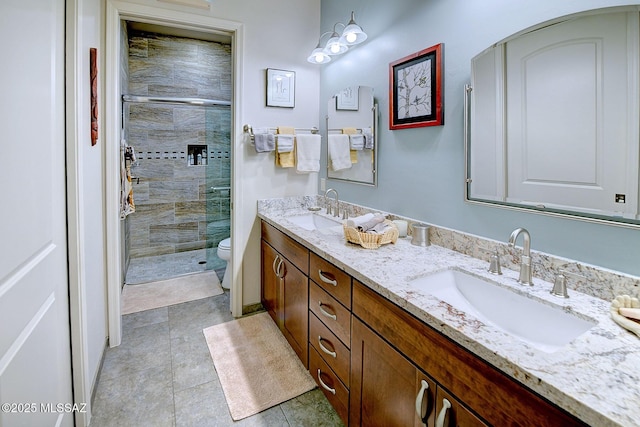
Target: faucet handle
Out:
[494,261]
[560,283]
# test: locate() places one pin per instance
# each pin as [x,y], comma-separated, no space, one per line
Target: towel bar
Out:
[248,129]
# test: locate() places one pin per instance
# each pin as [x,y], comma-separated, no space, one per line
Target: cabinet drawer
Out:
[333,389]
[331,313]
[333,280]
[289,248]
[330,348]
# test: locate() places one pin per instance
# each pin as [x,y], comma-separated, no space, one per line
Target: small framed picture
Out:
[347,99]
[281,88]
[415,89]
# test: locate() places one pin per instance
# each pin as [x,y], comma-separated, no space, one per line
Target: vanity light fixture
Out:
[352,34]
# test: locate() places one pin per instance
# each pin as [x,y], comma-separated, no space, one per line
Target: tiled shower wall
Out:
[176,209]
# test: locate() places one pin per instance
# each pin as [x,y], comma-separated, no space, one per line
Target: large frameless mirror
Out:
[352,136]
[553,118]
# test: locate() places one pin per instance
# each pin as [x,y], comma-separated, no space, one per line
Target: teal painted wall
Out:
[421,171]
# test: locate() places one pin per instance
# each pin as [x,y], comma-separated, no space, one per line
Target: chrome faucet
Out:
[525,260]
[336,211]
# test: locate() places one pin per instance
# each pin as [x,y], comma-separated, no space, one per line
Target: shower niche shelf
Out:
[196,155]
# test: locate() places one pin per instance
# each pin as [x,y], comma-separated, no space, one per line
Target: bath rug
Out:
[162,293]
[256,366]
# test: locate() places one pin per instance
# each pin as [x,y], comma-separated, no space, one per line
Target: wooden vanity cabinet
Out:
[458,374]
[377,364]
[285,287]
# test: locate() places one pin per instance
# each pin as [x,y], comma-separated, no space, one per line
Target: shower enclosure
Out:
[177,118]
[181,181]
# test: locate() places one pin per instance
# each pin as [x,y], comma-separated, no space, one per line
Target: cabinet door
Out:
[451,413]
[294,297]
[385,386]
[270,280]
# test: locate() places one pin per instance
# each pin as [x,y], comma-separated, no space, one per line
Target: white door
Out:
[568,131]
[35,359]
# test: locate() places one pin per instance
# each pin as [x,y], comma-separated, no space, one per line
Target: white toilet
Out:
[224,253]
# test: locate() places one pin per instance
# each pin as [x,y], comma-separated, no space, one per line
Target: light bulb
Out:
[351,37]
[319,57]
[335,48]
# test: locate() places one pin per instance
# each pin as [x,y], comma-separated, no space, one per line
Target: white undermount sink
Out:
[313,221]
[540,325]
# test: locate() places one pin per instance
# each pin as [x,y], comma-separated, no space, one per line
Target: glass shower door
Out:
[217,182]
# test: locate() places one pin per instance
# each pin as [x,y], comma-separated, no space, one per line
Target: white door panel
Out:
[35,359]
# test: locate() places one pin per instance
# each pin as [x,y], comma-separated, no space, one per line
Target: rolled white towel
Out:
[358,220]
[371,224]
[367,222]
[625,304]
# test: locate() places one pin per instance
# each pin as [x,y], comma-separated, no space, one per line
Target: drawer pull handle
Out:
[443,413]
[326,313]
[326,279]
[273,267]
[424,387]
[324,386]
[325,349]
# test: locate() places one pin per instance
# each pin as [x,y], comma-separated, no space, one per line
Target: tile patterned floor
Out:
[160,267]
[162,375]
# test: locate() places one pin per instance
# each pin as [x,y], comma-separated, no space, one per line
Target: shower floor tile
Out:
[160,267]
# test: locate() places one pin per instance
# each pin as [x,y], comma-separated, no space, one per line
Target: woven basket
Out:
[370,240]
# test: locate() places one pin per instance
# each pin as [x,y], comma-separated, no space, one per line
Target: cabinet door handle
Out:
[424,387]
[443,413]
[324,386]
[325,349]
[278,273]
[326,279]
[326,313]
[273,267]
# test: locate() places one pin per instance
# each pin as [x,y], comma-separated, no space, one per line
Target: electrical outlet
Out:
[323,184]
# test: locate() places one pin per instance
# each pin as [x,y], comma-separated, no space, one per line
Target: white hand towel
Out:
[264,140]
[308,153]
[285,143]
[339,154]
[356,141]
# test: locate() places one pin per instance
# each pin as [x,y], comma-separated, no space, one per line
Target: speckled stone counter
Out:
[596,377]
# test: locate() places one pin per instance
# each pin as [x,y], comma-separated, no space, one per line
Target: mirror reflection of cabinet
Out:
[554,118]
[354,108]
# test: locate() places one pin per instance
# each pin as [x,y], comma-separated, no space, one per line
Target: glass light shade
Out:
[353,33]
[318,56]
[335,46]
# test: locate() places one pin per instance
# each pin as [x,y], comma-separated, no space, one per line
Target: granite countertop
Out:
[596,377]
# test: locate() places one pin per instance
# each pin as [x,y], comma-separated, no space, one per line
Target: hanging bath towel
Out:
[308,153]
[127,158]
[286,160]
